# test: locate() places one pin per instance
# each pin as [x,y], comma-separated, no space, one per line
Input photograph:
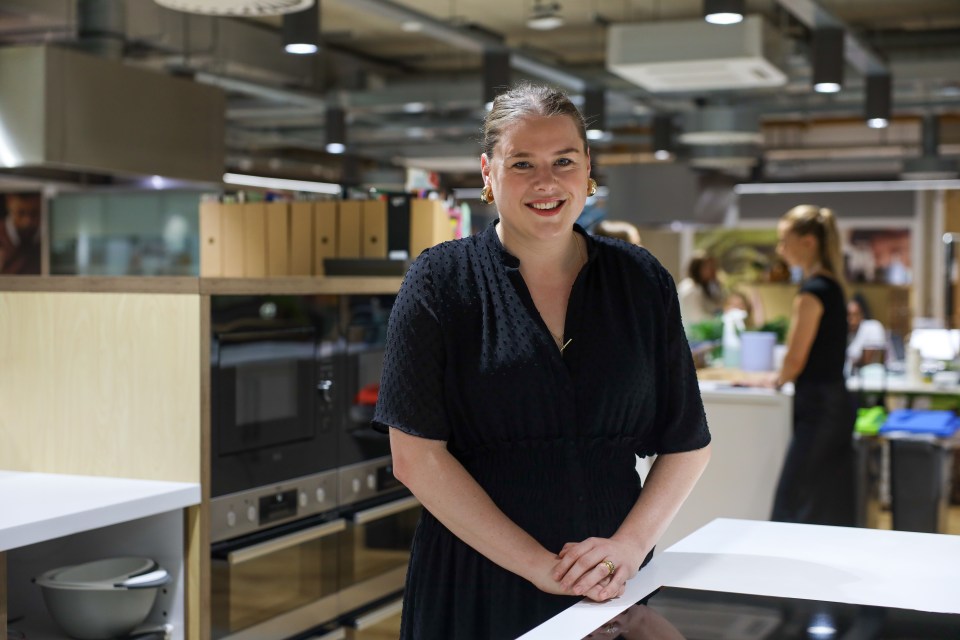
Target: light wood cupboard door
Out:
[301,238]
[374,229]
[325,228]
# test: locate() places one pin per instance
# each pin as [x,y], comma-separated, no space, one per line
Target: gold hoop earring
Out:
[591,187]
[486,195]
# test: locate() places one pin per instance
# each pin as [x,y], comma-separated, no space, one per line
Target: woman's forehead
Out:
[541,134]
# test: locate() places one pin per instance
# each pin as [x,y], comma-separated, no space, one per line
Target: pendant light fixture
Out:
[545,16]
[301,30]
[828,61]
[336,129]
[595,113]
[662,136]
[496,75]
[723,11]
[877,101]
[243,8]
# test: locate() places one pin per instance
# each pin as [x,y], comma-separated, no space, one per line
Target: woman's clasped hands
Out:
[597,568]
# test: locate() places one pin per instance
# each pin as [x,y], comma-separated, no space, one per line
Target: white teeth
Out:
[546,205]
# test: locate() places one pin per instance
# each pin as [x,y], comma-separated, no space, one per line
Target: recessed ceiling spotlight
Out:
[878,123]
[414,107]
[723,11]
[544,17]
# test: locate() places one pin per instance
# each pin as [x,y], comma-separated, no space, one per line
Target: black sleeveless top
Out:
[825,363]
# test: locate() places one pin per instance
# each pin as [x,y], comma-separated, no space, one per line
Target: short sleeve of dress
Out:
[411,385]
[681,419]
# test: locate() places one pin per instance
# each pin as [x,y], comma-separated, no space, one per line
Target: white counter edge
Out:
[834,564]
[40,508]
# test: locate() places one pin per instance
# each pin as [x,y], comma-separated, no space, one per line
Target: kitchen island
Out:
[53,520]
[751,430]
[895,569]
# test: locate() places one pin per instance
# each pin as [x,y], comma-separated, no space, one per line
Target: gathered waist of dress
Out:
[607,443]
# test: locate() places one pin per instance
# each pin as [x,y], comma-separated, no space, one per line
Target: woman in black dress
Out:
[526,366]
[816,483]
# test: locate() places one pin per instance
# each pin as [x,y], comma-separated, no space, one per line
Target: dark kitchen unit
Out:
[308,522]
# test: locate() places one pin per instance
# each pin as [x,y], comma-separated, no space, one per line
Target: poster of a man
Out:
[20,233]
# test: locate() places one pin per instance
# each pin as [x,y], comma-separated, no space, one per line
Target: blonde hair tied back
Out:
[821,223]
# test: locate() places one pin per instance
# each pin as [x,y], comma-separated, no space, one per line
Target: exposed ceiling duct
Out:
[62,110]
[929,165]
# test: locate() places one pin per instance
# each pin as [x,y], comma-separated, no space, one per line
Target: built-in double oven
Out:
[308,524]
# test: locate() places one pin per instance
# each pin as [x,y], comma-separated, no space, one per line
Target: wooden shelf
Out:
[209,286]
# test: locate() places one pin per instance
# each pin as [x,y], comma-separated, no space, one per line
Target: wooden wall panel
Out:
[301,238]
[101,384]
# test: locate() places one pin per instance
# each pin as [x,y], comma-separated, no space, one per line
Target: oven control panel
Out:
[238,514]
[366,480]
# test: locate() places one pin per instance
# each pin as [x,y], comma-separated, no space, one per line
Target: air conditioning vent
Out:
[693,55]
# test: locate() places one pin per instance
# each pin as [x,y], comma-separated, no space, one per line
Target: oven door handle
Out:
[255,551]
[377,615]
[384,510]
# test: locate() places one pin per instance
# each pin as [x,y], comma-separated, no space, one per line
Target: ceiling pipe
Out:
[473,42]
[857,53]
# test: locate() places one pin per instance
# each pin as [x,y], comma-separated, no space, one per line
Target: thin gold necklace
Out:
[559,339]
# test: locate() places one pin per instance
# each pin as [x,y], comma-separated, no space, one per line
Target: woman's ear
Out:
[484,167]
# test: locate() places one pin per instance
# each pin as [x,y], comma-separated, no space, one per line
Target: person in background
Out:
[526,367]
[618,229]
[816,482]
[866,337]
[20,234]
[701,296]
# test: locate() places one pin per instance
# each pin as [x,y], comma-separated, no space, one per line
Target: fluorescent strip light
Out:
[840,187]
[723,18]
[282,184]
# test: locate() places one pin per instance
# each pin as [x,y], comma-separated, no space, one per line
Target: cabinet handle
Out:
[336,634]
[378,615]
[324,387]
[384,510]
[285,542]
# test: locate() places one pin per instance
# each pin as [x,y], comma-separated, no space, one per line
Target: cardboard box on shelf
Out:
[254,239]
[231,228]
[350,229]
[374,229]
[211,240]
[301,238]
[429,225]
[325,233]
[277,215]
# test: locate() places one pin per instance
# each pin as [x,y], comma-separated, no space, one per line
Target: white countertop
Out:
[35,507]
[901,384]
[834,564]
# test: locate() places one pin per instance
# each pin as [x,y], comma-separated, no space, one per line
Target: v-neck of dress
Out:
[572,316]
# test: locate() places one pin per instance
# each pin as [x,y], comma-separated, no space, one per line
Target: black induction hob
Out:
[685,614]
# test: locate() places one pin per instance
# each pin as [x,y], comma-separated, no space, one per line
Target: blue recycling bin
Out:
[921,464]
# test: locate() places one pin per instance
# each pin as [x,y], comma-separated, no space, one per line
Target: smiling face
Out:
[538,174]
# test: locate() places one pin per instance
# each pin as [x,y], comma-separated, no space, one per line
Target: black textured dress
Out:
[817,481]
[550,437]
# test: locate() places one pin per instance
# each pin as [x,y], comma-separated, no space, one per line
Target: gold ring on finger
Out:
[610,566]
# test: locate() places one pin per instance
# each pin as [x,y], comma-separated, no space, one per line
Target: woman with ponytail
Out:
[816,483]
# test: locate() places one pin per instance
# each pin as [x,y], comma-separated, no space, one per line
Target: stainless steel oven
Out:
[364,454]
[382,621]
[275,404]
[277,583]
[375,549]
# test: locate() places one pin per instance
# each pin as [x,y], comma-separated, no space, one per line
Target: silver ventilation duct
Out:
[61,110]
